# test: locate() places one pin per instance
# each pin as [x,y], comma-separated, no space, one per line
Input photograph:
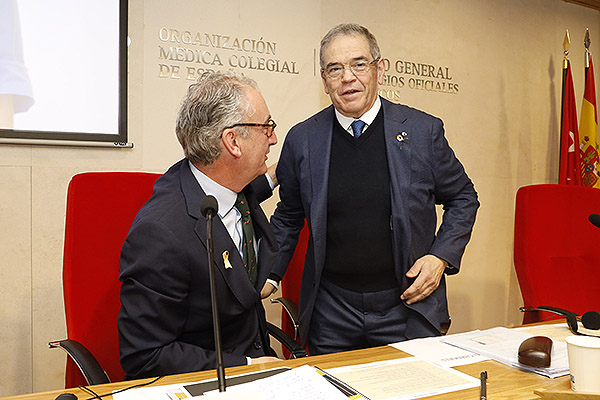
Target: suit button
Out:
[257,345]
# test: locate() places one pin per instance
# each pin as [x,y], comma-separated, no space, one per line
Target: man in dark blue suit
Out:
[165,321]
[366,174]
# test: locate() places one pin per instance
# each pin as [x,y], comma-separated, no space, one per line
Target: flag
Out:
[570,166]
[588,133]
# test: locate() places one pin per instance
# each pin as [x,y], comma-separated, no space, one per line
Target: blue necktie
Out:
[357,127]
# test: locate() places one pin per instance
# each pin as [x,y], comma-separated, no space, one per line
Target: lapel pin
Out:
[401,136]
[226,260]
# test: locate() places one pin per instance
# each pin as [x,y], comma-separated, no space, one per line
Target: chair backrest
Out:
[556,248]
[291,282]
[100,209]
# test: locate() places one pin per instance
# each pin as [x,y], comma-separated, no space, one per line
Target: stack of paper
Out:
[300,383]
[403,379]
[502,344]
[434,350]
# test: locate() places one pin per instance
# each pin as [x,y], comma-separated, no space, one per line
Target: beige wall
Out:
[503,124]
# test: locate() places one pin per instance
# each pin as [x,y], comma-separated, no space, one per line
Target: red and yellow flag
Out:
[588,133]
[570,166]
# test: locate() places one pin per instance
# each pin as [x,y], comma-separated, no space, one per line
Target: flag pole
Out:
[586,43]
[566,45]
[588,132]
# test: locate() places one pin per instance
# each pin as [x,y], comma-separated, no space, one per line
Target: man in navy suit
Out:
[165,321]
[366,174]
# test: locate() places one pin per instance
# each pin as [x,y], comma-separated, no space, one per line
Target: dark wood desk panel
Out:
[504,383]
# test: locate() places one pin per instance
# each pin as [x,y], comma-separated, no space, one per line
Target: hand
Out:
[428,272]
[271,171]
[264,360]
[267,290]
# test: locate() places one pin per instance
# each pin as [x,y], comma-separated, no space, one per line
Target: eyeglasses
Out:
[270,126]
[336,71]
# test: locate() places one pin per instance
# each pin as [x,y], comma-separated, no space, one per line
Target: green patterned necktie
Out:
[249,255]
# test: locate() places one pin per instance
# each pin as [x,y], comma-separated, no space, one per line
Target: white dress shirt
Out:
[367,118]
[229,215]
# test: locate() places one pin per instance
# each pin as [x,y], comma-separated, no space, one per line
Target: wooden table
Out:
[504,383]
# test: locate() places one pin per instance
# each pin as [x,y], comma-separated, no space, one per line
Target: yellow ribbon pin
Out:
[226,260]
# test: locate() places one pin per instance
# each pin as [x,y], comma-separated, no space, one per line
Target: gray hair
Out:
[349,29]
[218,100]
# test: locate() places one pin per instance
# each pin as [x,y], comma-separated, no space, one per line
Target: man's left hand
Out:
[428,272]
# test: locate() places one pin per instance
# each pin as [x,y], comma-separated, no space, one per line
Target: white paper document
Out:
[502,344]
[402,379]
[434,350]
[295,384]
[147,393]
[553,331]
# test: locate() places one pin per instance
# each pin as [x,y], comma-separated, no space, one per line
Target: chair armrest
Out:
[286,340]
[445,326]
[88,365]
[292,311]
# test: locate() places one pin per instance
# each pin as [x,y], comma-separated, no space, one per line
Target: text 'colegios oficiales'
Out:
[403,74]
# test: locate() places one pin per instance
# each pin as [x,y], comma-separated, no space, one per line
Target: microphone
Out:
[209,205]
[595,219]
[209,208]
[66,396]
[591,320]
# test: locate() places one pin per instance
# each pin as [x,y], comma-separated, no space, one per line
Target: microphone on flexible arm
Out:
[209,208]
[595,219]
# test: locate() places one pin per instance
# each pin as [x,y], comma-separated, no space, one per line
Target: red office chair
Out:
[100,209]
[556,251]
[290,289]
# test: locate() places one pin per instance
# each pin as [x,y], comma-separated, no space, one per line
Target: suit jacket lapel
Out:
[399,152]
[236,277]
[319,147]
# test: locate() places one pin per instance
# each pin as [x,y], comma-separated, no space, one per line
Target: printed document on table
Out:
[296,384]
[146,393]
[434,350]
[402,379]
[553,331]
[502,344]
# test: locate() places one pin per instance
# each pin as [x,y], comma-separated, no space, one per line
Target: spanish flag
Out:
[570,170]
[588,133]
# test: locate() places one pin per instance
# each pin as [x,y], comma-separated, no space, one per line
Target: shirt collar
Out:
[225,198]
[367,117]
